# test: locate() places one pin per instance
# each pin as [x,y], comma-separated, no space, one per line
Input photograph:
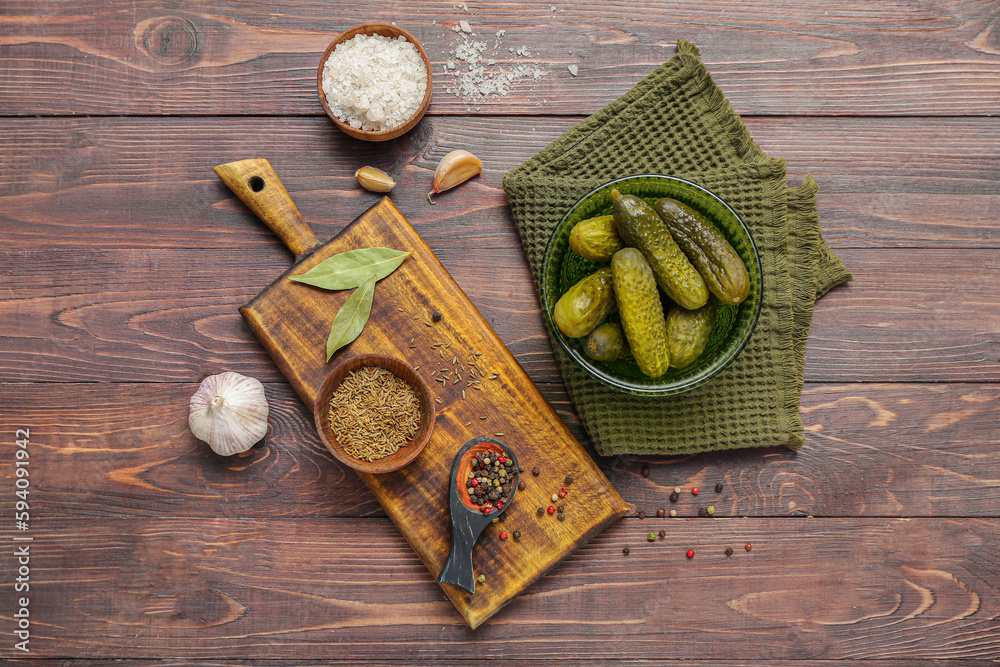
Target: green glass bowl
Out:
[733,324]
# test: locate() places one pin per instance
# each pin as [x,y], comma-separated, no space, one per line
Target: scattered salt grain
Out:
[573,69]
[481,76]
[373,82]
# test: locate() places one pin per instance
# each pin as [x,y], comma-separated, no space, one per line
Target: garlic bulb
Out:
[229,412]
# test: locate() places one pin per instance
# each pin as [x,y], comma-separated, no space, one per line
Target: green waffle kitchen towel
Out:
[677,122]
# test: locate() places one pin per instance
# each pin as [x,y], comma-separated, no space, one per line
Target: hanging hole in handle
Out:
[256,183]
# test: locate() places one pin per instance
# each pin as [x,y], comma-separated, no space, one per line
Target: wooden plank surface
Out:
[123,260]
[156,315]
[790,57]
[884,182]
[297,589]
[900,450]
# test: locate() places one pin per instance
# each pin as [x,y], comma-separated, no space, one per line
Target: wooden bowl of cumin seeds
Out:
[374,413]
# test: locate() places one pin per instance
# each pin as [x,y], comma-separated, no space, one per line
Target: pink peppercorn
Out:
[694,491]
[503,535]
[551,510]
[690,553]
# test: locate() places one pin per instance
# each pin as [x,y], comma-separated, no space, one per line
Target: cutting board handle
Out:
[255,182]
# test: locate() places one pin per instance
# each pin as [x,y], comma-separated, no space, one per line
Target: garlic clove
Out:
[229,412]
[374,180]
[454,169]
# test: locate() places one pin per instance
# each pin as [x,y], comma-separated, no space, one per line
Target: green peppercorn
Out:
[481,578]
[651,536]
[711,509]
[673,513]
[677,489]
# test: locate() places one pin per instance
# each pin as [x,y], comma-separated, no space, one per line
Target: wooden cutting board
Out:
[292,320]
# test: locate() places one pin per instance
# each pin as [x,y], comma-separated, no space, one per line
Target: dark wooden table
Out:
[124,260]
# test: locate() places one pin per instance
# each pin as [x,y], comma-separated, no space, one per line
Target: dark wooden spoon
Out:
[467,518]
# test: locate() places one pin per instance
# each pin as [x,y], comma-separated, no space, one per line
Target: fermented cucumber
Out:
[688,332]
[595,238]
[724,272]
[585,305]
[641,311]
[640,227]
[606,343]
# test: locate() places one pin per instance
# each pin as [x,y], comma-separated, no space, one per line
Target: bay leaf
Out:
[351,269]
[352,317]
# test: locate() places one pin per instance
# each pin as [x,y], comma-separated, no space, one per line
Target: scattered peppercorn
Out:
[569,479]
[503,535]
[436,316]
[645,470]
[663,534]
[650,536]
[520,468]
[555,497]
[677,489]
[748,546]
[661,512]
[626,551]
[517,535]
[541,510]
[563,492]
[694,491]
[521,485]
[701,511]
[711,510]
[718,488]
[561,516]
[642,514]
[561,509]
[729,551]
[535,471]
[690,553]
[673,513]
[481,578]
[674,497]
[551,509]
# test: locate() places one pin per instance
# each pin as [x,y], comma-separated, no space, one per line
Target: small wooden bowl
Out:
[386,30]
[403,455]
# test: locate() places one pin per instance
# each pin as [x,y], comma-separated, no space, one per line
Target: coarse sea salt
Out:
[373,82]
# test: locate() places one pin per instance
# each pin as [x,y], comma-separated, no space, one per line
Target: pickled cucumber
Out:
[724,272]
[640,227]
[688,332]
[641,311]
[606,343]
[595,238]
[585,305]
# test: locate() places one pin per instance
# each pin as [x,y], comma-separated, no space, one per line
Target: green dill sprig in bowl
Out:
[733,324]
